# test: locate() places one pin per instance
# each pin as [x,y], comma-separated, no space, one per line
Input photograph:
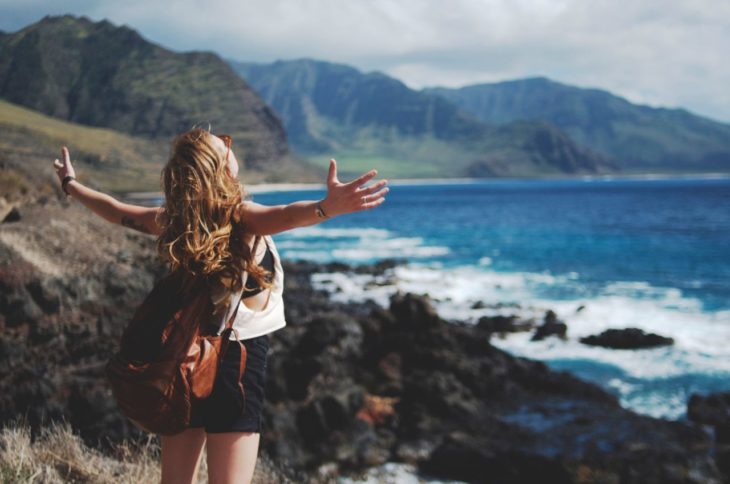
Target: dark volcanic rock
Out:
[12,216]
[550,326]
[348,385]
[471,459]
[503,324]
[628,338]
[414,311]
[713,409]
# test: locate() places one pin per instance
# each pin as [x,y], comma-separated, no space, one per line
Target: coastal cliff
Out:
[350,386]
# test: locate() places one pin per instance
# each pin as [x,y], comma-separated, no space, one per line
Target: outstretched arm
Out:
[341,198]
[106,206]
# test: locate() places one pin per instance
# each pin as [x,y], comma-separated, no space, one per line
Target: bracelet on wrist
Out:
[320,212]
[65,182]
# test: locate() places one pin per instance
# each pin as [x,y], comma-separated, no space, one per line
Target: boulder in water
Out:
[627,338]
[551,326]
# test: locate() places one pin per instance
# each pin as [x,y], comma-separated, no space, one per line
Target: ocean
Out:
[652,253]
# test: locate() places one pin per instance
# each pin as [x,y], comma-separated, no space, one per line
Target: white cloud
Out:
[660,52]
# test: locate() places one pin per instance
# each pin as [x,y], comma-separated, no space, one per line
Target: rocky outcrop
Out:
[551,326]
[628,338]
[713,410]
[349,385]
[504,324]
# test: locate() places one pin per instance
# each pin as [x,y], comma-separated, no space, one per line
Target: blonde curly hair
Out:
[201,235]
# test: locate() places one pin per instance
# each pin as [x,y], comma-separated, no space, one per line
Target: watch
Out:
[65,181]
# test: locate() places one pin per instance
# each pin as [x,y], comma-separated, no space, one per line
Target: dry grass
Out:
[30,140]
[59,455]
[113,161]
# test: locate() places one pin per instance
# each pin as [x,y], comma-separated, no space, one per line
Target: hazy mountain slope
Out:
[98,74]
[299,90]
[29,141]
[636,136]
[337,109]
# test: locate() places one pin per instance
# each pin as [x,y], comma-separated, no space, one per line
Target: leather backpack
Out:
[166,361]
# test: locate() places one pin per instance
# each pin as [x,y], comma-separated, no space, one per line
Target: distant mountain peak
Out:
[101,74]
[329,107]
[641,137]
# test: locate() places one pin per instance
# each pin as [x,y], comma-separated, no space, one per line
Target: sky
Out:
[668,53]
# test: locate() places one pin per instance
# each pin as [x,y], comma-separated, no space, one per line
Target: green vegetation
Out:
[99,75]
[105,159]
[393,155]
[639,138]
[30,141]
[333,110]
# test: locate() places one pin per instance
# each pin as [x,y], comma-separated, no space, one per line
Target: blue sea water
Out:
[601,253]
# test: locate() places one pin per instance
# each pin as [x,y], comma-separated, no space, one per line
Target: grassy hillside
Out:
[336,109]
[98,74]
[106,159]
[30,141]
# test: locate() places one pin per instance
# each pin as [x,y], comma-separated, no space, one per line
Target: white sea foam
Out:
[485,261]
[318,231]
[633,304]
[700,337]
[393,473]
[364,244]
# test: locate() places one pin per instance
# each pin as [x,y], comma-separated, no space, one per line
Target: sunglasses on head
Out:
[228,142]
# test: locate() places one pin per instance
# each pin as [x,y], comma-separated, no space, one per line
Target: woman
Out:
[206,228]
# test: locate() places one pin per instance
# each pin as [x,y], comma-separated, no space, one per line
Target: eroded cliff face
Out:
[100,74]
[349,386]
[96,74]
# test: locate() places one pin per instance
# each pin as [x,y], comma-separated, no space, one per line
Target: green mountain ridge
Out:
[637,136]
[98,74]
[101,75]
[335,108]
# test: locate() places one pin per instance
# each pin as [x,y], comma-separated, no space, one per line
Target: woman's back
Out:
[261,313]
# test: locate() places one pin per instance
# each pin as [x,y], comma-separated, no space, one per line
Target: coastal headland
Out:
[350,386]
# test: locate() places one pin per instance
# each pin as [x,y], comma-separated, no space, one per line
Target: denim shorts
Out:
[225,409]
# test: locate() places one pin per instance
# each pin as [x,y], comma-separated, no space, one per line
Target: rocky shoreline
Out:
[350,386]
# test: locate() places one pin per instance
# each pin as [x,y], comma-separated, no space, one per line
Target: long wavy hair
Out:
[201,236]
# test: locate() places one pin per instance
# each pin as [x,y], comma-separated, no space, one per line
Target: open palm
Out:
[351,196]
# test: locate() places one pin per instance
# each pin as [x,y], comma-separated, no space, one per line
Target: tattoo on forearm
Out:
[130,222]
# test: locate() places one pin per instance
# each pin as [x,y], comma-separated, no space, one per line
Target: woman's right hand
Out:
[64,168]
[349,197]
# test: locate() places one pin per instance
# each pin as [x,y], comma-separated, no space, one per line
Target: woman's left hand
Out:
[349,197]
[64,168]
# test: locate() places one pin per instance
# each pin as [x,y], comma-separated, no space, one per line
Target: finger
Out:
[332,174]
[57,163]
[363,178]
[372,204]
[372,188]
[380,193]
[65,155]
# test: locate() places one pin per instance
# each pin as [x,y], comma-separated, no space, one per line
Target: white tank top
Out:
[250,323]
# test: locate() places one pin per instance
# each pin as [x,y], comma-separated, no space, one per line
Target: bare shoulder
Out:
[154,218]
[248,211]
[159,216]
[249,206]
